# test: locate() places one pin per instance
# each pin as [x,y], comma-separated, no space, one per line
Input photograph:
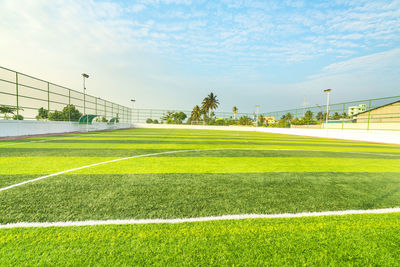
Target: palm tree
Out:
[210,103]
[235,111]
[196,113]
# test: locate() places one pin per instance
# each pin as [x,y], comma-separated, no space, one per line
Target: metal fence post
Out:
[16,92]
[48,96]
[369,113]
[344,106]
[69,104]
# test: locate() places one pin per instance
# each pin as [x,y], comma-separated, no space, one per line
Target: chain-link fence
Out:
[370,114]
[24,95]
[168,116]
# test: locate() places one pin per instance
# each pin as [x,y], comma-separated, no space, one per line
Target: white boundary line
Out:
[179,151]
[197,219]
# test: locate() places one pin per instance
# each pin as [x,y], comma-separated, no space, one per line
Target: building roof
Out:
[398,101]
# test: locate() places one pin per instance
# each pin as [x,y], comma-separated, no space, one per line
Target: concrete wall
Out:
[389,137]
[363,126]
[22,128]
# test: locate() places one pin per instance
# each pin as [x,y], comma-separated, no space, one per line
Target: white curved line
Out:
[197,219]
[177,151]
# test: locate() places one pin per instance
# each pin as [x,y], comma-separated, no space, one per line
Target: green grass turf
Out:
[356,240]
[202,183]
[85,197]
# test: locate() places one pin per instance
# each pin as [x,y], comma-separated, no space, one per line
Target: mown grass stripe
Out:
[394,167]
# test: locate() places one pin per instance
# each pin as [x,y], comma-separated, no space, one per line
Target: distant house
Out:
[386,113]
[354,110]
[270,120]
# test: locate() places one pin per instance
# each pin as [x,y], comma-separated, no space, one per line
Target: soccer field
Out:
[140,174]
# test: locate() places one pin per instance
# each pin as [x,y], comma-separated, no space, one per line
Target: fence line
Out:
[368,114]
[27,94]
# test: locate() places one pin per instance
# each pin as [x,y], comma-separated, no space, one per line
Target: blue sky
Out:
[171,53]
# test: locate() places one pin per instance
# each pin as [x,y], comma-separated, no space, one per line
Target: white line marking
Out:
[177,151]
[198,219]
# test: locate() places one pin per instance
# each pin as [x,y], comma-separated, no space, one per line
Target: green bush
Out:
[18,117]
[42,114]
[149,120]
[245,120]
[69,113]
[220,121]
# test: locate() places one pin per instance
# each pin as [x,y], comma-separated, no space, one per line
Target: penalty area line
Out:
[196,219]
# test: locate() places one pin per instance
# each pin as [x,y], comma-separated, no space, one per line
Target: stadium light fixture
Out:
[328,91]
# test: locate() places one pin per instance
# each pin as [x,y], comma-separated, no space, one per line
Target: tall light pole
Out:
[85,76]
[328,91]
[133,106]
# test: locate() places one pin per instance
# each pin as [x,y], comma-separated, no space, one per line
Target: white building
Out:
[354,110]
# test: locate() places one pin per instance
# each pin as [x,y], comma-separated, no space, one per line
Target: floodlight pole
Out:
[85,76]
[133,106]
[328,91]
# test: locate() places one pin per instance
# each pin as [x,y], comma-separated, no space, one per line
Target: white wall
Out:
[364,126]
[378,136]
[22,128]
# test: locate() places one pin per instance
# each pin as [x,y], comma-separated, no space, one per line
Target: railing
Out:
[27,94]
[142,115]
[370,114]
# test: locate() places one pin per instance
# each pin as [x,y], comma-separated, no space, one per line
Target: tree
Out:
[210,103]
[336,116]
[69,113]
[308,116]
[174,117]
[261,119]
[245,120]
[7,110]
[320,116]
[196,114]
[56,116]
[235,111]
[42,114]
